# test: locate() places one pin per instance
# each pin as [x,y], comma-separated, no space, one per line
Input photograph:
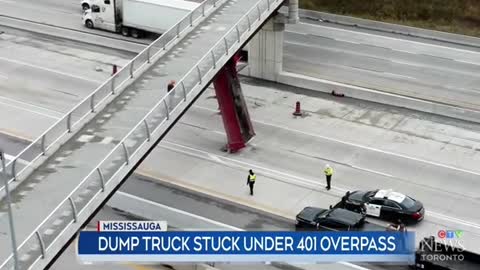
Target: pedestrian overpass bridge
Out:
[57,183]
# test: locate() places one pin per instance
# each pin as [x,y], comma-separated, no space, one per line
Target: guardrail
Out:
[141,134]
[72,120]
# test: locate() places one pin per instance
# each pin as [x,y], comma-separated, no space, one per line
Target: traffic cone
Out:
[297,111]
[114,69]
[337,94]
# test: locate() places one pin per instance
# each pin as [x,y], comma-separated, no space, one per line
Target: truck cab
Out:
[101,14]
[86,4]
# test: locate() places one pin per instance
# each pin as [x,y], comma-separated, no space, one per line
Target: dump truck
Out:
[135,17]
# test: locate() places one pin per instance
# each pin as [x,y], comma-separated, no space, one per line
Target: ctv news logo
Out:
[447,247]
[449,234]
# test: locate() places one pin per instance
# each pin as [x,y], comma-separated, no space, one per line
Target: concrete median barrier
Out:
[378,96]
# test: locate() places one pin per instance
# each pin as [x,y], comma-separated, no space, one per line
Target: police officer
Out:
[170,100]
[328,173]
[251,181]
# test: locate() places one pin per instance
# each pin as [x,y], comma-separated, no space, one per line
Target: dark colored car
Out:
[384,204]
[329,219]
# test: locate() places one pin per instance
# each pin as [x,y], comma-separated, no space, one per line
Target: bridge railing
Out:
[145,131]
[21,164]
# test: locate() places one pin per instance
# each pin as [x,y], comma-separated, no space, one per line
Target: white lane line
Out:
[32,105]
[347,41]
[107,140]
[403,51]
[85,138]
[216,158]
[21,161]
[449,218]
[133,197]
[399,76]
[214,222]
[49,70]
[290,178]
[281,176]
[9,157]
[31,111]
[358,145]
[390,38]
[372,171]
[467,62]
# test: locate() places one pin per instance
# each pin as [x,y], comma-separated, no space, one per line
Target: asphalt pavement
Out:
[413,152]
[398,149]
[87,149]
[41,78]
[69,260]
[431,158]
[415,67]
[441,73]
[218,214]
[186,210]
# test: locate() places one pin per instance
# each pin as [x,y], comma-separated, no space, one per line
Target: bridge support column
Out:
[233,107]
[293,17]
[265,50]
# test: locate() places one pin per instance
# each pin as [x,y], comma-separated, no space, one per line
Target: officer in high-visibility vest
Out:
[328,173]
[251,181]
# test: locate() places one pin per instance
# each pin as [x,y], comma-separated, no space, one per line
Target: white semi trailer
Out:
[135,17]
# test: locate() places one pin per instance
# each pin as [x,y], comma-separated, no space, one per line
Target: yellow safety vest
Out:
[252,177]
[328,171]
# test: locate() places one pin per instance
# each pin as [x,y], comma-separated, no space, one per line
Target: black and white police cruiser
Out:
[384,204]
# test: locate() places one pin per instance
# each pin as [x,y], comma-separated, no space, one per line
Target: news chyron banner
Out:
[149,241]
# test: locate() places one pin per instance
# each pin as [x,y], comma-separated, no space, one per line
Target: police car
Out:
[336,219]
[385,204]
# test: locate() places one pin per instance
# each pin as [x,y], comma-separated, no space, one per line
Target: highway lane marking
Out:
[133,197]
[372,171]
[49,70]
[28,110]
[357,145]
[303,181]
[396,61]
[217,223]
[391,38]
[467,62]
[21,161]
[346,41]
[32,105]
[281,176]
[399,76]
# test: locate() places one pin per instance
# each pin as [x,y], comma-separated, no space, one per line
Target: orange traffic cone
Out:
[297,111]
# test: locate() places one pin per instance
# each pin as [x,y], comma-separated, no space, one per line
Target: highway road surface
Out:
[41,78]
[186,210]
[415,67]
[369,145]
[399,149]
[434,159]
[441,73]
[69,259]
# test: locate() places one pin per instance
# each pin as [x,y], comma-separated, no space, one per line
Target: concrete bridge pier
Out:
[265,50]
[293,11]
